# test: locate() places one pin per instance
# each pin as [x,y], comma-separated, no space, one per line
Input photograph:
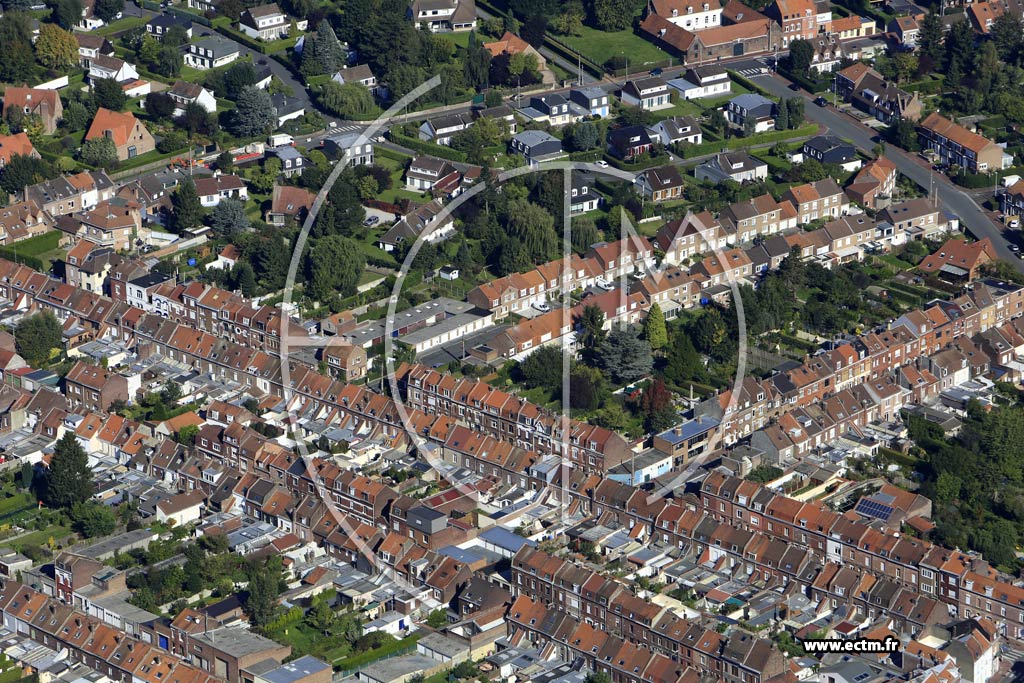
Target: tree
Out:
[477,64]
[237,77]
[109,94]
[228,218]
[749,126]
[438,618]
[782,120]
[349,101]
[265,585]
[107,10]
[55,47]
[244,278]
[322,52]
[683,364]
[194,119]
[22,170]
[36,336]
[795,107]
[15,47]
[584,234]
[625,356]
[587,388]
[801,53]
[903,134]
[321,616]
[168,61]
[187,435]
[1007,33]
[76,117]
[93,519]
[654,328]
[187,209]
[335,264]
[67,13]
[585,137]
[612,15]
[254,113]
[100,151]
[69,478]
[542,368]
[930,38]
[590,327]
[534,228]
[159,105]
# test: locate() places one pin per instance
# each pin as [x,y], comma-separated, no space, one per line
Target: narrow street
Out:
[954,199]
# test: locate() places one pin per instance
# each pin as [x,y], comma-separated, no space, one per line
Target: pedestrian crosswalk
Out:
[347,128]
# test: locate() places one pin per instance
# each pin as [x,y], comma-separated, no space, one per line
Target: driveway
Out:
[952,198]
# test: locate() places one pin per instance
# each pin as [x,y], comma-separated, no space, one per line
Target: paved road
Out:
[952,198]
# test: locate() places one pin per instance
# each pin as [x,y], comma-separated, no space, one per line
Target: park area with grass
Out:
[601,46]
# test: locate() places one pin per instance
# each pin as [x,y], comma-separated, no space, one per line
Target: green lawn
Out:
[120,25]
[35,246]
[600,46]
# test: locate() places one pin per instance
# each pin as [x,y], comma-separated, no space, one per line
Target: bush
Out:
[172,141]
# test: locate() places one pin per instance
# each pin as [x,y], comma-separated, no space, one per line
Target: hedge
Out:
[760,139]
[430,148]
[652,162]
[391,154]
[24,259]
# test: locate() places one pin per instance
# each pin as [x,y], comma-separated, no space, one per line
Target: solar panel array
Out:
[873,508]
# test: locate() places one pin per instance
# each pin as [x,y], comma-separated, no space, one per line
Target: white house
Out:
[647,93]
[444,15]
[102,67]
[211,52]
[184,94]
[181,509]
[212,190]
[360,74]
[702,81]
[693,15]
[265,22]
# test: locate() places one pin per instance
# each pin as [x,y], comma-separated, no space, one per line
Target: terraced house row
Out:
[696,652]
[88,640]
[759,533]
[873,360]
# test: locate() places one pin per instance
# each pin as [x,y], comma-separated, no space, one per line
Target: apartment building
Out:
[957,146]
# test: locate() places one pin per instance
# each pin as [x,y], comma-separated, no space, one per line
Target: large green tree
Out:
[625,356]
[67,13]
[334,266]
[109,94]
[23,170]
[654,327]
[15,47]
[228,218]
[187,209]
[100,152]
[322,52]
[265,585]
[69,479]
[36,336]
[55,47]
[349,101]
[254,113]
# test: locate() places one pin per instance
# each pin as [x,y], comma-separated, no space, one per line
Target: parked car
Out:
[542,307]
[795,87]
[656,72]
[605,285]
[371,221]
[1014,223]
[1014,248]
[821,101]
[601,163]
